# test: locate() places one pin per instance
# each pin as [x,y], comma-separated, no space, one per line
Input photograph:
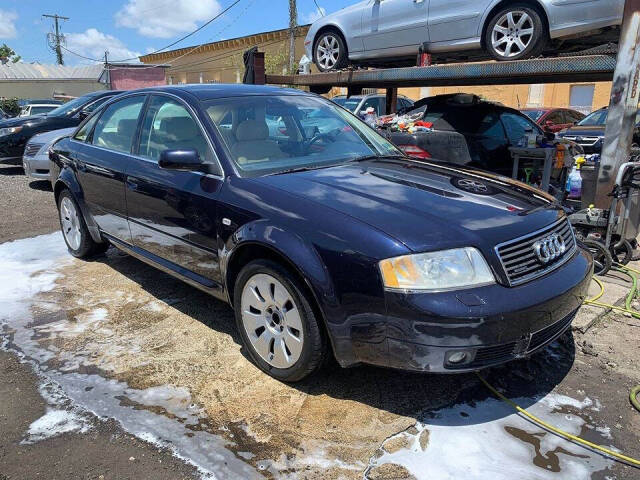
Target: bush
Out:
[10,106]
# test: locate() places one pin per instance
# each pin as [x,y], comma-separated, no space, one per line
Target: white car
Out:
[507,30]
[35,159]
[37,109]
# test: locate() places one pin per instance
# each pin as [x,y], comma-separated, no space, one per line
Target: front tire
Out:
[74,229]
[515,32]
[276,322]
[330,52]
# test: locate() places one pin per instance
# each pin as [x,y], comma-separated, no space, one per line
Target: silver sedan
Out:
[35,159]
[507,30]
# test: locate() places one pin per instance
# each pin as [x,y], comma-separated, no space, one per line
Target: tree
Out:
[7,54]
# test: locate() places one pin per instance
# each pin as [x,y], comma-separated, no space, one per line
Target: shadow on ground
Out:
[397,392]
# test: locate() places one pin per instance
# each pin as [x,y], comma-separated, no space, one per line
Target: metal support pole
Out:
[392,100]
[623,106]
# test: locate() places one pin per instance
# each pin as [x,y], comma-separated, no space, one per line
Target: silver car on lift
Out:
[506,29]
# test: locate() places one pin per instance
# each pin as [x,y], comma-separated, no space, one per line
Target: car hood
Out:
[587,131]
[425,206]
[52,136]
[30,120]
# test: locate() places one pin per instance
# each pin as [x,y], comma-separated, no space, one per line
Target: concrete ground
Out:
[111,369]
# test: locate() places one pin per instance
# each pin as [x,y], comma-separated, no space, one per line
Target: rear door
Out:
[455,19]
[395,26]
[102,160]
[172,213]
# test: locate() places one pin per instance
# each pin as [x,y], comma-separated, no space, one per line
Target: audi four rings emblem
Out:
[549,248]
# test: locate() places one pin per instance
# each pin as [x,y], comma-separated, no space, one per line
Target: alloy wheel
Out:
[513,33]
[272,321]
[328,52]
[70,223]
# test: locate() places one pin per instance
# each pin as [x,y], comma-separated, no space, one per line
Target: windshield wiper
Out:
[300,169]
[364,158]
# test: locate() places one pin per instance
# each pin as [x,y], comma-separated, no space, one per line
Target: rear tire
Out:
[74,229]
[276,322]
[330,51]
[515,32]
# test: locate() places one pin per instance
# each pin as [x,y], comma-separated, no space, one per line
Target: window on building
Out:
[581,97]
[536,95]
[170,80]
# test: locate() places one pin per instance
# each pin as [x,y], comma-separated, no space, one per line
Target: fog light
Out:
[457,357]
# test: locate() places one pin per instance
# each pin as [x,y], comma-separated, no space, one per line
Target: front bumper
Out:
[37,166]
[490,325]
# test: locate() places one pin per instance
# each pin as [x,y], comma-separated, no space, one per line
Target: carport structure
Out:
[623,69]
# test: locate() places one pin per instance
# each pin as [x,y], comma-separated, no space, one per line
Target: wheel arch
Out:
[68,181]
[329,28]
[255,249]
[535,4]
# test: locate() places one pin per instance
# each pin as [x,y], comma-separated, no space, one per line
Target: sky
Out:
[128,28]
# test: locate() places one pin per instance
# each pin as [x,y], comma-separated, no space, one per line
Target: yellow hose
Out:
[557,431]
[634,392]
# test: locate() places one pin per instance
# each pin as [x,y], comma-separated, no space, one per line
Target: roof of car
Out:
[222,90]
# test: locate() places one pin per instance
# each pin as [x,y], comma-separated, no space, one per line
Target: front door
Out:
[395,26]
[172,213]
[101,162]
[455,19]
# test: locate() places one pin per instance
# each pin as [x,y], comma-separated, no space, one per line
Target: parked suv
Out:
[15,132]
[468,131]
[554,119]
[358,104]
[332,244]
[589,132]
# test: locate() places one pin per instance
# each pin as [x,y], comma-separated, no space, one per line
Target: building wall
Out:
[132,78]
[221,62]
[48,88]
[522,96]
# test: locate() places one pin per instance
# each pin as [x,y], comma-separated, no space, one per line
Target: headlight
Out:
[443,270]
[10,130]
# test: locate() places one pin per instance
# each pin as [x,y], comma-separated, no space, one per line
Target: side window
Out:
[573,116]
[516,127]
[82,134]
[555,117]
[491,128]
[168,125]
[117,125]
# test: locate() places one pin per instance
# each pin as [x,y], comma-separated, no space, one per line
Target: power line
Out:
[189,34]
[320,9]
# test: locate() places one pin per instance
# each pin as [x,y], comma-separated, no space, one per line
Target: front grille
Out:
[32,148]
[520,261]
[584,141]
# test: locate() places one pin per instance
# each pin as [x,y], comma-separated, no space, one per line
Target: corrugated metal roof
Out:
[36,71]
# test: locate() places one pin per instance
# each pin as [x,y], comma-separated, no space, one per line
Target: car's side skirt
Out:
[187,276]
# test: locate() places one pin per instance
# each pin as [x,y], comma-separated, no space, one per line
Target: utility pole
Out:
[107,70]
[293,25]
[56,39]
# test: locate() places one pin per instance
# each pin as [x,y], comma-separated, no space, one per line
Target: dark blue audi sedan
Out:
[325,241]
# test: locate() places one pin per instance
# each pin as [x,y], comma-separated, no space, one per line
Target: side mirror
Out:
[82,114]
[187,160]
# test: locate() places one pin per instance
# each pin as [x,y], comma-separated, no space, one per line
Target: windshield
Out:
[349,103]
[598,117]
[70,106]
[40,110]
[274,134]
[534,114]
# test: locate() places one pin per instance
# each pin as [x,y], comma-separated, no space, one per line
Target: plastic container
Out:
[574,182]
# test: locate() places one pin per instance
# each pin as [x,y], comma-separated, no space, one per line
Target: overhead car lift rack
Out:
[577,68]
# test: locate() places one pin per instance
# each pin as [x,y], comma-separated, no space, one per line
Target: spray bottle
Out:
[574,182]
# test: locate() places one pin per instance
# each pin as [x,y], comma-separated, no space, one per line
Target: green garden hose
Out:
[633,293]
